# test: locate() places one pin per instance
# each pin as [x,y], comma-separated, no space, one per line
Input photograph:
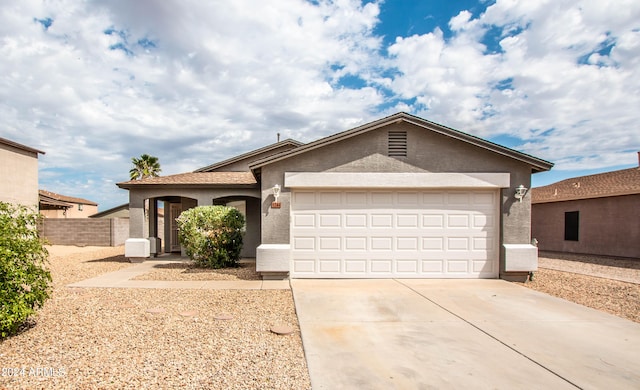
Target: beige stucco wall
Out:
[607,226]
[73,212]
[19,176]
[427,152]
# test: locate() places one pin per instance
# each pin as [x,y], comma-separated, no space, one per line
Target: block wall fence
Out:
[85,231]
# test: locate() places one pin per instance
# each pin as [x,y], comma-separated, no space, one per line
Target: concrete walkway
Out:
[386,334]
[123,279]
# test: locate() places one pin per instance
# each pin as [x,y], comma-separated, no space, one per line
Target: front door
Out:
[175,211]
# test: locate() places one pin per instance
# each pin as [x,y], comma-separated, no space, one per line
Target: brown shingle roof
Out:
[195,178]
[616,183]
[64,198]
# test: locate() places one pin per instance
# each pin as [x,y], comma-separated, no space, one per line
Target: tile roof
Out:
[195,178]
[615,183]
[63,198]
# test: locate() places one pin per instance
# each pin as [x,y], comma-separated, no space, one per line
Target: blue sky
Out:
[97,82]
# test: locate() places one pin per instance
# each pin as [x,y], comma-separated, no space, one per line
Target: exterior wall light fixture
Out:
[276,195]
[521,192]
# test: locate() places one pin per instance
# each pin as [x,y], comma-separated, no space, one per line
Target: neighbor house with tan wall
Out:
[18,173]
[595,214]
[54,205]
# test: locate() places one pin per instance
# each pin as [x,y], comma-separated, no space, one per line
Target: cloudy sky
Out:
[94,83]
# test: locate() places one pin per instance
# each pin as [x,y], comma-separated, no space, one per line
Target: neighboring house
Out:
[122,211]
[596,214]
[400,197]
[18,173]
[54,205]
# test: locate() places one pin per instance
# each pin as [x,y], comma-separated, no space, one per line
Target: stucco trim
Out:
[395,180]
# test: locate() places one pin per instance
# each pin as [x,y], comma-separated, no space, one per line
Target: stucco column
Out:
[136,215]
[153,218]
[136,247]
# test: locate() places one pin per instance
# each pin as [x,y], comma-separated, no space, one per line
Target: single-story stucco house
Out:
[400,197]
[595,214]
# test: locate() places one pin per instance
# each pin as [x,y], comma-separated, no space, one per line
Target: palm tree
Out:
[145,166]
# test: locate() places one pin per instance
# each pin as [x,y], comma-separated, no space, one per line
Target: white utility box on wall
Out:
[520,257]
[272,258]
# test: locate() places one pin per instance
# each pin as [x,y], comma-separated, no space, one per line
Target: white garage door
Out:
[394,234]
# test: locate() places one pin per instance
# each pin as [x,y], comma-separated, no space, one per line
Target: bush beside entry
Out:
[24,280]
[212,235]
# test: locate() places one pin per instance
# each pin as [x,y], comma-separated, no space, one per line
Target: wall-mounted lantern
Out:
[276,195]
[521,191]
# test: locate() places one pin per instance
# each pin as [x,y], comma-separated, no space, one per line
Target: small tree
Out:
[24,280]
[212,235]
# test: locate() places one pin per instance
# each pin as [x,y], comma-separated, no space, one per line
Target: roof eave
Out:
[20,146]
[234,159]
[537,165]
[599,196]
[128,186]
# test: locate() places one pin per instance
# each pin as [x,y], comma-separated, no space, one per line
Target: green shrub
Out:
[212,235]
[24,280]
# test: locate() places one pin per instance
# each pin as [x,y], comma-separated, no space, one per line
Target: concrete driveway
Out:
[434,334]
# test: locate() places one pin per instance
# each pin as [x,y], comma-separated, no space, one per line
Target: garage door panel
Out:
[356,220]
[381,243]
[432,266]
[355,243]
[382,198]
[326,266]
[383,234]
[304,220]
[408,198]
[381,266]
[330,220]
[410,266]
[457,266]
[430,221]
[407,243]
[381,220]
[407,220]
[304,266]
[302,243]
[457,221]
[433,199]
[328,243]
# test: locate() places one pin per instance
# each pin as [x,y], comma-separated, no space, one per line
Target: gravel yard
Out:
[93,338]
[152,338]
[187,270]
[571,277]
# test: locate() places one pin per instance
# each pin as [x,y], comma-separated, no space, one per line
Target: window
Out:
[80,206]
[397,144]
[571,223]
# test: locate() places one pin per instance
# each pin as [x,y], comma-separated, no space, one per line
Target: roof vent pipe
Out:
[279,141]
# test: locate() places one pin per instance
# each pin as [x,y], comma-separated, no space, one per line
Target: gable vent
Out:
[397,144]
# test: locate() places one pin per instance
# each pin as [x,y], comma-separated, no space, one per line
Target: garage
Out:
[394,233]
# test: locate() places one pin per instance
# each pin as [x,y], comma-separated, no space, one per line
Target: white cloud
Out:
[552,83]
[190,82]
[95,83]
